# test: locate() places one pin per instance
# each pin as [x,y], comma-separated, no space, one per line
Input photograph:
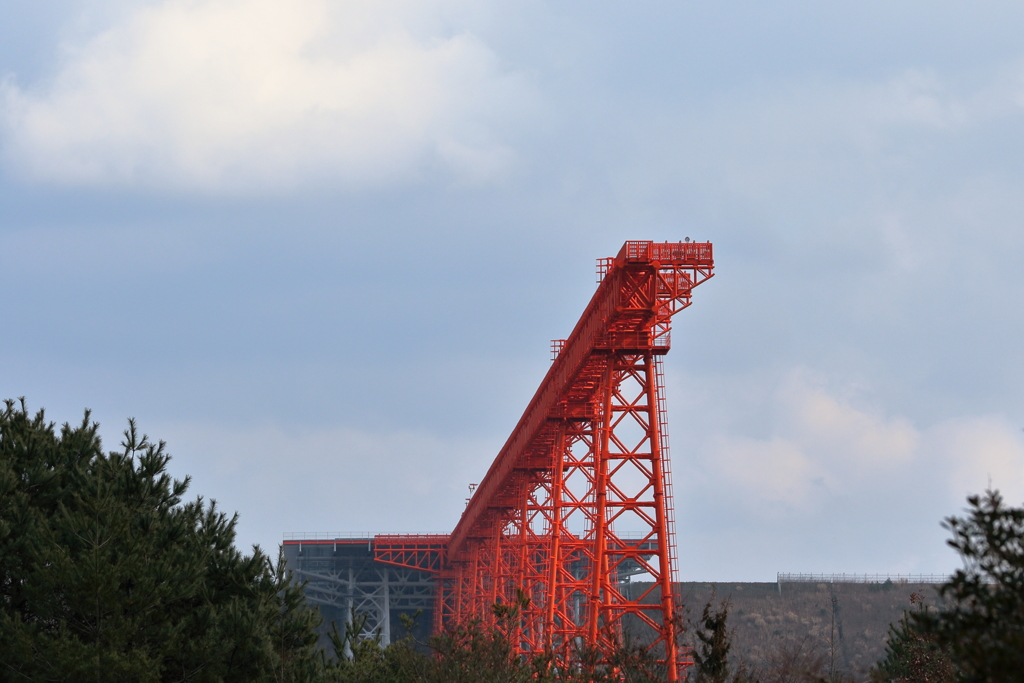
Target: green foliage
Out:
[364,660]
[472,653]
[983,623]
[912,656]
[105,574]
[711,656]
[713,645]
[631,663]
[884,587]
[477,653]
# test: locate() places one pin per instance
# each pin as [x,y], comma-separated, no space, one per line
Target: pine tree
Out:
[711,656]
[105,574]
[912,656]
[983,623]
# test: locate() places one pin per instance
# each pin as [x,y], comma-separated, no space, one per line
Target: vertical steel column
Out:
[603,390]
[349,609]
[669,625]
[598,597]
[555,536]
[518,635]
[385,638]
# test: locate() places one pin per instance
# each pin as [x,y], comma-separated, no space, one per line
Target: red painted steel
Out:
[424,553]
[579,497]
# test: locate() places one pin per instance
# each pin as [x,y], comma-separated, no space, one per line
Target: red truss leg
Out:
[631,498]
[578,501]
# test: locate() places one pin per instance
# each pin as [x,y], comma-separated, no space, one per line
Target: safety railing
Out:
[347,535]
[861,578]
[662,251]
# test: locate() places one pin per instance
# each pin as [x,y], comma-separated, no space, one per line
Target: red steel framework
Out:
[579,497]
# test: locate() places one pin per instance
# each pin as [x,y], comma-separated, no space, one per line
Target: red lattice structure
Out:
[579,498]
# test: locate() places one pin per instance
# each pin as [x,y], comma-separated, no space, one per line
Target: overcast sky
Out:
[320,248]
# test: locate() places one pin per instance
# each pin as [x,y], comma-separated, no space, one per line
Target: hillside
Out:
[771,625]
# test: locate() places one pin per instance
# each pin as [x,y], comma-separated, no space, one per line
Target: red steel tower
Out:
[580,497]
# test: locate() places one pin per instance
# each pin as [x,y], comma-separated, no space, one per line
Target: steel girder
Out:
[579,498]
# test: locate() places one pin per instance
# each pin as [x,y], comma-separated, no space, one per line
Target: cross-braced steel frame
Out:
[345,578]
[579,498]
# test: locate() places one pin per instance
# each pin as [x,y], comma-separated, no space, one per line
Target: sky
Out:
[320,248]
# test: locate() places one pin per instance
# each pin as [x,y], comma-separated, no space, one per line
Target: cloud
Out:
[776,471]
[857,440]
[976,453]
[823,445]
[241,95]
[824,478]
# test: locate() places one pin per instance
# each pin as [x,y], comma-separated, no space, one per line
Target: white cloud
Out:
[824,445]
[855,439]
[977,452]
[821,444]
[776,470]
[254,94]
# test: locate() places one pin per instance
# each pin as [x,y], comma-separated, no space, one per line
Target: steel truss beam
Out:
[579,498]
[355,583]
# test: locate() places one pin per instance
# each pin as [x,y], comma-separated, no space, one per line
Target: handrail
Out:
[861,578]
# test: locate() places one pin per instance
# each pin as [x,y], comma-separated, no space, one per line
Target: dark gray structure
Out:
[342,578]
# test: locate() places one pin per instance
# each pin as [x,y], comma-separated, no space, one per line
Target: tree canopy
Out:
[107,574]
[977,635]
[983,622]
